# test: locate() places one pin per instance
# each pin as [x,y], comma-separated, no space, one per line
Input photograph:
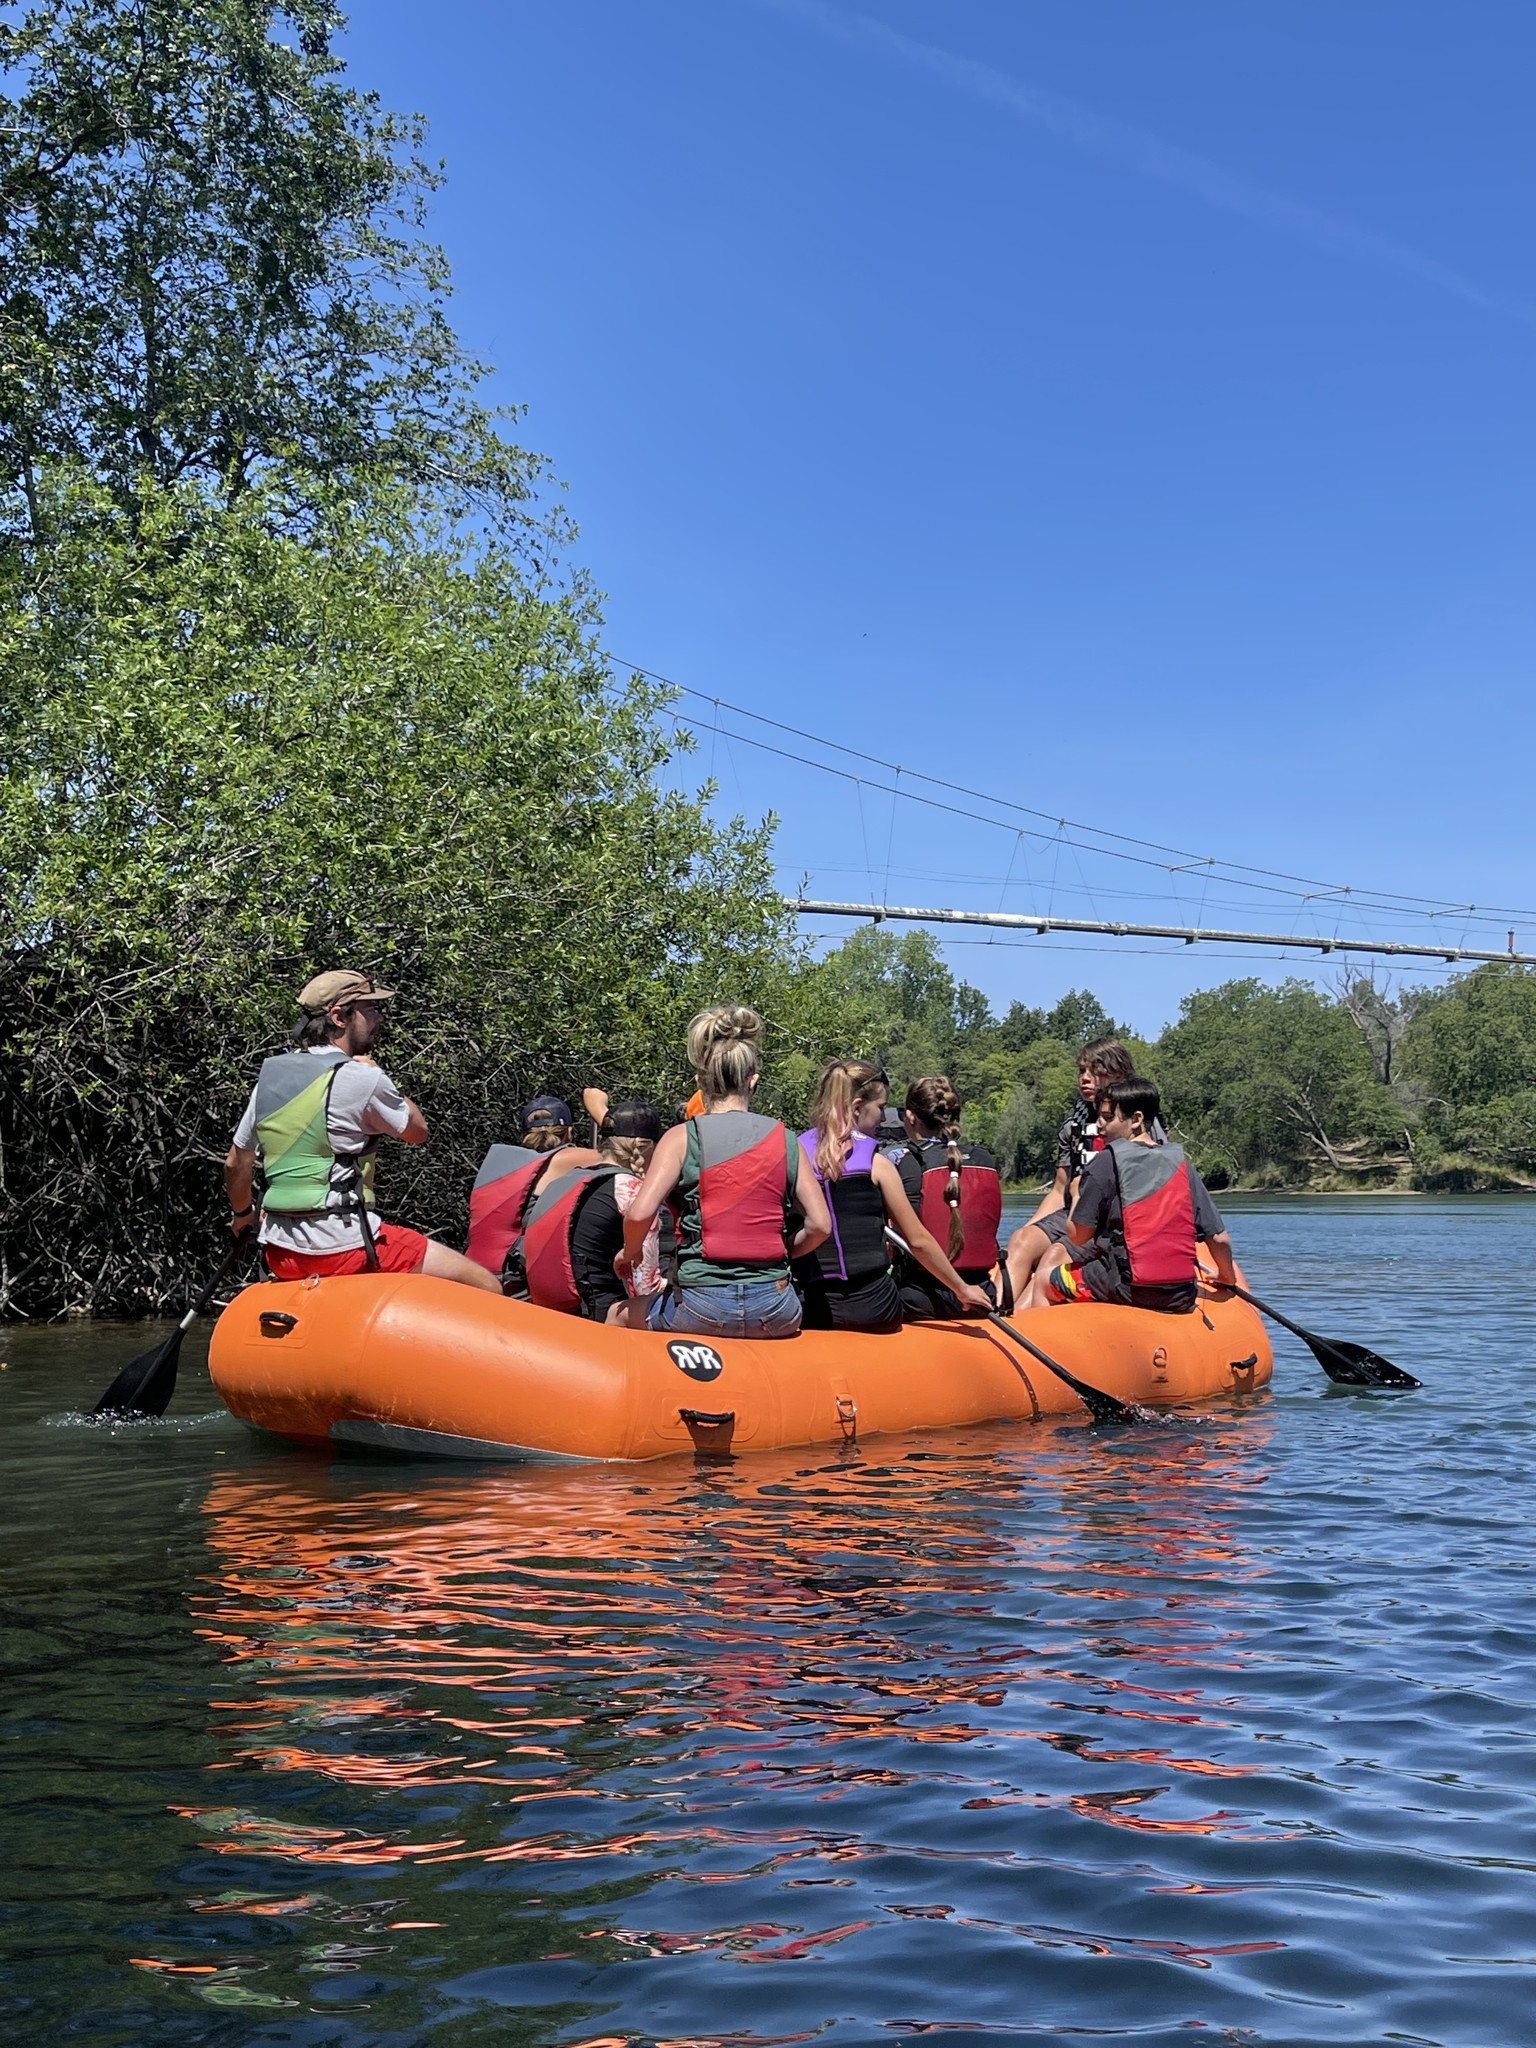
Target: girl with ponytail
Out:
[956,1189]
[847,1283]
[743,1205]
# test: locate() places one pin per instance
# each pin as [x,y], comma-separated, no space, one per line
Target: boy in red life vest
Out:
[315,1119]
[1141,1211]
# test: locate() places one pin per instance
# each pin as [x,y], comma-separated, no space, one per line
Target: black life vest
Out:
[856,1250]
[733,1195]
[1157,1214]
[981,1203]
[548,1267]
[504,1187]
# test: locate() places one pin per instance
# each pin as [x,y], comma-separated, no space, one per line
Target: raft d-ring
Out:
[848,1418]
[1160,1362]
[310,1280]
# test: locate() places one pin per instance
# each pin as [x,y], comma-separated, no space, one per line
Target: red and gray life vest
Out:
[981,1204]
[733,1195]
[856,1250]
[1157,1214]
[548,1268]
[499,1201]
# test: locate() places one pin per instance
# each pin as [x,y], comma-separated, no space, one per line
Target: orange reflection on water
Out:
[513,1637]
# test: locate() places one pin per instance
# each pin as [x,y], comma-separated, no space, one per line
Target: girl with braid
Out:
[846,1283]
[957,1192]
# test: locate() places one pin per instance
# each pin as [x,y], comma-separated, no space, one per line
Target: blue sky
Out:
[1123,410]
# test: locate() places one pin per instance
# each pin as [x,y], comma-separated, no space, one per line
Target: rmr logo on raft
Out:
[699,1361]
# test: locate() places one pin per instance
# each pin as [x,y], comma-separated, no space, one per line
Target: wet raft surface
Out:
[1013,1730]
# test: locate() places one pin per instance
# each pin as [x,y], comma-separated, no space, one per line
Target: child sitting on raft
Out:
[955,1188]
[575,1228]
[1099,1062]
[1140,1212]
[846,1284]
[511,1176]
[738,1186]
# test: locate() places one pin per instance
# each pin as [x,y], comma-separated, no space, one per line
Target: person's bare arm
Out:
[415,1132]
[239,1185]
[1054,1198]
[661,1177]
[920,1241]
[1220,1248]
[815,1217]
[567,1161]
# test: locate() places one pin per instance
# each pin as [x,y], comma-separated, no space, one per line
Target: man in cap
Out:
[315,1119]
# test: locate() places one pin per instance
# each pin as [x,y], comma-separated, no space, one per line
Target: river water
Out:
[1221,1731]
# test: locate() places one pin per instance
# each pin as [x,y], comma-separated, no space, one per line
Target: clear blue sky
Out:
[1124,409]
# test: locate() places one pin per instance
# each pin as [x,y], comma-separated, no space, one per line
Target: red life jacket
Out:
[546,1240]
[981,1207]
[1157,1210]
[733,1191]
[503,1188]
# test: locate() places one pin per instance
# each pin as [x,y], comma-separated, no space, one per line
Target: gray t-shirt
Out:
[364,1104]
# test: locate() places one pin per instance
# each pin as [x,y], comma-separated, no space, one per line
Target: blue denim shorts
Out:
[739,1308]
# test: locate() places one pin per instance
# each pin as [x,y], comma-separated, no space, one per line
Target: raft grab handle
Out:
[711,1430]
[275,1322]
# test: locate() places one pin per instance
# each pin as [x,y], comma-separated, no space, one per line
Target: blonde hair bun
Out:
[722,1049]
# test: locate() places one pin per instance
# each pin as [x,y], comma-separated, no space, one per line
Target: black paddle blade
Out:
[146,1383]
[1105,1407]
[1356,1365]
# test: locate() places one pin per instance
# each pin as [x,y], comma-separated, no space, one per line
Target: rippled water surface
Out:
[1033,1731]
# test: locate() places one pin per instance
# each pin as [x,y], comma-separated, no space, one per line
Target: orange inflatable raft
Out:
[405,1363]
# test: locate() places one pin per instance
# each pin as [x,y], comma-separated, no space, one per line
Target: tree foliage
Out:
[212,267]
[228,757]
[1472,1049]
[1277,1078]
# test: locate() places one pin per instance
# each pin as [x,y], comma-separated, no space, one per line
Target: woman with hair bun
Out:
[956,1189]
[847,1283]
[744,1208]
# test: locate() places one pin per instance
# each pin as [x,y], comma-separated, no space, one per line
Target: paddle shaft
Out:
[235,1254]
[1347,1364]
[1101,1406]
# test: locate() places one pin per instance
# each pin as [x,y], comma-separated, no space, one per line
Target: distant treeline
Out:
[295,672]
[1269,1086]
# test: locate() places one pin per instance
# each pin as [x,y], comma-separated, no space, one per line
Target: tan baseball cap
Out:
[341,985]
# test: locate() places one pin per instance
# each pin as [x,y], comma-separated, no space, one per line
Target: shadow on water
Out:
[1035,1731]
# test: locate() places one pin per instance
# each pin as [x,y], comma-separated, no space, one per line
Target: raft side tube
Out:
[366,1357]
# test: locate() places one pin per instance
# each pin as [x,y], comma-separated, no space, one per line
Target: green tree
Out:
[211,266]
[1471,1047]
[1269,1078]
[229,756]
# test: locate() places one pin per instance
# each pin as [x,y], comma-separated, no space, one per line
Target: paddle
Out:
[1101,1406]
[1347,1364]
[145,1385]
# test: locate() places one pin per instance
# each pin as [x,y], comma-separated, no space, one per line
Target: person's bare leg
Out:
[444,1264]
[1039,1296]
[1026,1248]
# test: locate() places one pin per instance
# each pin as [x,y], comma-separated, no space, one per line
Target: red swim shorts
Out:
[400,1251]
